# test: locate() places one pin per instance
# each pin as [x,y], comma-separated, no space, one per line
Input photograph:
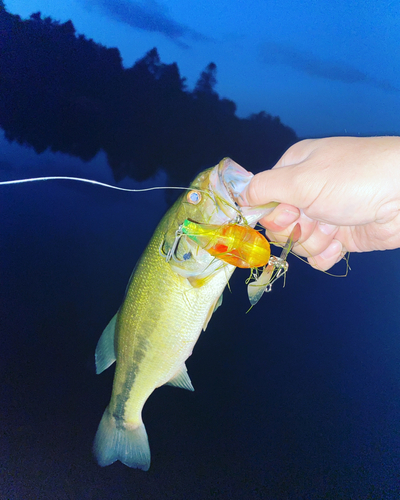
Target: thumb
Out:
[276,184]
[282,183]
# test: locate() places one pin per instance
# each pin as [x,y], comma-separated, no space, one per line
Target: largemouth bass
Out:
[174,290]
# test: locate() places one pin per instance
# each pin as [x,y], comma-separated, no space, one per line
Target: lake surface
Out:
[298,399]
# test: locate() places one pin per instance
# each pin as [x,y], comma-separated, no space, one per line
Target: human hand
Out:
[344,192]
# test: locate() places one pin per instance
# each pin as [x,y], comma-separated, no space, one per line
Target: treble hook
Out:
[277,267]
[172,250]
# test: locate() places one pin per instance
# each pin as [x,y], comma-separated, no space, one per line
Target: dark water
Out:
[299,399]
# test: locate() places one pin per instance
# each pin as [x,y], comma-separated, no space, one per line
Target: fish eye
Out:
[194,197]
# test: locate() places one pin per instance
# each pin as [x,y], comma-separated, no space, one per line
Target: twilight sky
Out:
[326,68]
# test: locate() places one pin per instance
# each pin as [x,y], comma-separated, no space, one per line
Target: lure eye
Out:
[194,197]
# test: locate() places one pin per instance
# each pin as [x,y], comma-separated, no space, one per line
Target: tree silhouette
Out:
[207,81]
[63,92]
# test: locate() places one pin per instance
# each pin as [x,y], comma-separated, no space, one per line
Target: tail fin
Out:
[113,442]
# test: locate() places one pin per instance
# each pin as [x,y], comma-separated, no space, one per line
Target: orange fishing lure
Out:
[241,246]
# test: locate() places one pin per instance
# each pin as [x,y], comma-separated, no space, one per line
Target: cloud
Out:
[148,15]
[276,53]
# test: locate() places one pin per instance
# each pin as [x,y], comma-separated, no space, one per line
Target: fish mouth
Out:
[230,180]
[234,178]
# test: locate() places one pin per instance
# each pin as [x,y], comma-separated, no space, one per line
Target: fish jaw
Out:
[229,181]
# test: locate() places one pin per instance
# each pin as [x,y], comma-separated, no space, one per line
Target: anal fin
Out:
[181,379]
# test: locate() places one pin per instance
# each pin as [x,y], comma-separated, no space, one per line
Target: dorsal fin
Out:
[105,351]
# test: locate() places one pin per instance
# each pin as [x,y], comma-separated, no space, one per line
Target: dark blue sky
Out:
[326,68]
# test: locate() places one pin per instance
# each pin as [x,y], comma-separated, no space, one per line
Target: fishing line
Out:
[131,190]
[88,181]
[103,184]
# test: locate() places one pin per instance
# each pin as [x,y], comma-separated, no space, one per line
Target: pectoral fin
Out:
[181,379]
[105,351]
[198,282]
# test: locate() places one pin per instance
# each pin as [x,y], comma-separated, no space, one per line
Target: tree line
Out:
[63,92]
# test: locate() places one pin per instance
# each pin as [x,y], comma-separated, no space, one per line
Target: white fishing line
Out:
[88,181]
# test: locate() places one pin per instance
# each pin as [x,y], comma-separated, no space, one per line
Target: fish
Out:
[172,294]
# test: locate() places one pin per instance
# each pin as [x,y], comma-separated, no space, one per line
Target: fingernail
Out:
[334,248]
[285,218]
[326,228]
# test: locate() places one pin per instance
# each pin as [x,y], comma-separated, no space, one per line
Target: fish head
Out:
[214,197]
